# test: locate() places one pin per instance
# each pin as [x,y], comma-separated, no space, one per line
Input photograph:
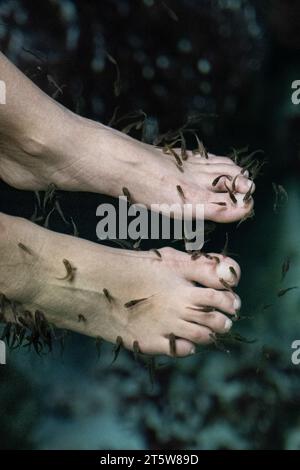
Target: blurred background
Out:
[231,62]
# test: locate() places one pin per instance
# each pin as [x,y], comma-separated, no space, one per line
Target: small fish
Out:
[266,306]
[285,268]
[114,116]
[169,149]
[59,89]
[281,196]
[217,341]
[212,258]
[218,178]
[60,212]
[43,330]
[196,255]
[283,192]
[14,308]
[234,183]
[133,303]
[117,83]
[180,192]
[237,152]
[21,332]
[158,254]
[136,350]
[62,341]
[231,195]
[151,369]
[28,315]
[38,198]
[47,220]
[137,244]
[81,318]
[255,171]
[108,295]
[170,12]
[248,159]
[225,248]
[233,272]
[184,154]
[201,148]
[127,195]
[98,343]
[2,306]
[248,194]
[34,216]
[75,229]
[221,204]
[49,195]
[242,339]
[25,248]
[70,272]
[23,322]
[117,348]
[133,125]
[282,292]
[172,344]
[226,285]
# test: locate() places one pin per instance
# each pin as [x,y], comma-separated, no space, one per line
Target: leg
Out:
[42,142]
[136,295]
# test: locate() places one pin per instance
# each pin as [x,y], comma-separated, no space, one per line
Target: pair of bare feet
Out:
[182,297]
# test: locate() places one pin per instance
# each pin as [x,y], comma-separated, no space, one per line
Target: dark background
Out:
[236,60]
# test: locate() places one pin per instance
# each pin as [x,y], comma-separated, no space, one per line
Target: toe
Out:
[224,208]
[183,348]
[215,321]
[197,334]
[212,299]
[239,183]
[210,269]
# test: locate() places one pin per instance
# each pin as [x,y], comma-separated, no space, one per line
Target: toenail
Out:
[193,350]
[228,324]
[237,303]
[226,272]
[249,183]
[246,173]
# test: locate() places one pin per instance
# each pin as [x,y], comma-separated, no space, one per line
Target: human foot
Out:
[141,297]
[77,154]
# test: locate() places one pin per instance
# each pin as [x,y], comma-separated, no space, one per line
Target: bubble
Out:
[98,105]
[203,66]
[148,72]
[184,45]
[98,64]
[162,62]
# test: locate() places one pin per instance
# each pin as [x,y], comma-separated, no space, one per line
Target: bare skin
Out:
[70,279]
[42,142]
[36,277]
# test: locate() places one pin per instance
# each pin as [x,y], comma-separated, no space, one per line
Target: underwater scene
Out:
[111,338]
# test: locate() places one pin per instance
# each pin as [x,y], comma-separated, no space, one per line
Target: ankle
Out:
[19,279]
